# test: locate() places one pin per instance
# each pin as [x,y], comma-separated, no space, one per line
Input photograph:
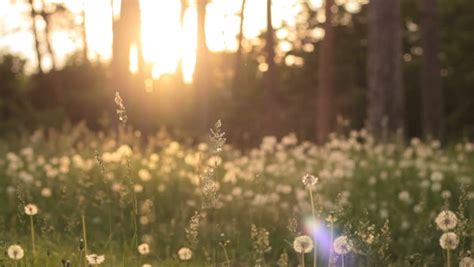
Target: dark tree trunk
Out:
[84,34]
[386,97]
[48,38]
[35,35]
[432,106]
[238,54]
[325,106]
[126,33]
[272,105]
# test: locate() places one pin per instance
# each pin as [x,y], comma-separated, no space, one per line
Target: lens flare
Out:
[320,233]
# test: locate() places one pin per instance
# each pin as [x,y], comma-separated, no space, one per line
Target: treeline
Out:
[395,67]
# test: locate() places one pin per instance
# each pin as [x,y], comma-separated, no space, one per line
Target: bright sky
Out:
[163,40]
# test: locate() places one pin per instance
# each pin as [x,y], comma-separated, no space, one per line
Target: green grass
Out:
[366,185]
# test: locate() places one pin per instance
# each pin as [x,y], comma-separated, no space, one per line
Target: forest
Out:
[236,133]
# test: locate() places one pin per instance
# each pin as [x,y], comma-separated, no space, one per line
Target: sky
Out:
[164,42]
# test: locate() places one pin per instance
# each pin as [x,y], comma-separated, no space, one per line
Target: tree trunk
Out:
[35,34]
[84,34]
[386,103]
[238,54]
[432,106]
[202,71]
[126,33]
[48,37]
[325,105]
[179,68]
[272,105]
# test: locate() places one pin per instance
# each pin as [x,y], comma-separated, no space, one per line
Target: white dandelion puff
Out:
[446,220]
[309,180]
[94,259]
[466,262]
[144,249]
[449,241]
[342,245]
[185,254]
[31,209]
[15,252]
[303,244]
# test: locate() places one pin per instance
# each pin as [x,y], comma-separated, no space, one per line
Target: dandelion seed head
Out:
[46,192]
[342,245]
[466,262]
[303,244]
[449,240]
[144,249]
[31,209]
[144,175]
[15,252]
[446,220]
[185,254]
[309,180]
[94,259]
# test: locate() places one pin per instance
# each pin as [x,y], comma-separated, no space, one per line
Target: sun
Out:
[165,42]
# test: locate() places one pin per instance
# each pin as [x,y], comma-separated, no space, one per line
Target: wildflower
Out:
[15,252]
[46,192]
[446,220]
[466,262]
[303,244]
[283,260]
[146,265]
[342,245]
[31,209]
[121,111]
[94,259]
[331,218]
[192,230]
[404,196]
[185,254]
[144,249]
[449,241]
[144,175]
[309,180]
[260,239]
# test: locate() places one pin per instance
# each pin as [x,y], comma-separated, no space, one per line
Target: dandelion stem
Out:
[134,209]
[33,244]
[448,260]
[313,211]
[342,260]
[84,234]
[302,259]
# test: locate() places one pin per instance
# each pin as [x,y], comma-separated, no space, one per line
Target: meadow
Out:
[76,197]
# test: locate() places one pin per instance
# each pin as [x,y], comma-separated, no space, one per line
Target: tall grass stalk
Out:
[134,211]
[226,255]
[84,235]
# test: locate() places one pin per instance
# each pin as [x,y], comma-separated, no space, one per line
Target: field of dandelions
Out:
[74,197]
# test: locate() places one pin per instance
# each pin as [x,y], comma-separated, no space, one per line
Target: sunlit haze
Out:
[164,41]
